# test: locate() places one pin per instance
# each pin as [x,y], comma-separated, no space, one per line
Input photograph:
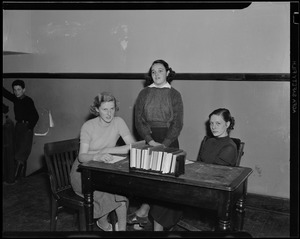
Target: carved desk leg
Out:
[89,199]
[224,213]
[240,208]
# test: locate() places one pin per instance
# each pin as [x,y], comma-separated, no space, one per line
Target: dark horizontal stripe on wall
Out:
[139,76]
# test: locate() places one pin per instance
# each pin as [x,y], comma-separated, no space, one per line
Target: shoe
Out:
[109,228]
[134,219]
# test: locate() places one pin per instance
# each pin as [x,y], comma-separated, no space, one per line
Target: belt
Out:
[23,121]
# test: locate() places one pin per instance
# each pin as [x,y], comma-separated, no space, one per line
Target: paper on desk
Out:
[189,161]
[117,159]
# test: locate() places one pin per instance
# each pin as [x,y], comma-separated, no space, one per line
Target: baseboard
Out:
[277,204]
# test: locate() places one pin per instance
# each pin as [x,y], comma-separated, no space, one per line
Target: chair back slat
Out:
[69,162]
[59,157]
[59,173]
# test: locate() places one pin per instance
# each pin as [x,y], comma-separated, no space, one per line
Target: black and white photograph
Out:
[137,119]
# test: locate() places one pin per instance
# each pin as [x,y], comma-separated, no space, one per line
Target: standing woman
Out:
[98,138]
[159,120]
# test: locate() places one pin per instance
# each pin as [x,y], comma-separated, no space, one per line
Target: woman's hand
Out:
[103,157]
[153,143]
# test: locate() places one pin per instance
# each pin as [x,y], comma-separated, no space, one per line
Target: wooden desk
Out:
[205,186]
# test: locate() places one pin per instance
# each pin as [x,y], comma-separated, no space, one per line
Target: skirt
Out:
[165,214]
[104,202]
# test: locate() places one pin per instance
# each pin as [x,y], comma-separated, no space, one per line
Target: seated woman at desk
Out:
[98,138]
[219,149]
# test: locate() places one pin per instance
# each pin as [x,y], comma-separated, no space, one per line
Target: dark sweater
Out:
[24,108]
[221,151]
[159,107]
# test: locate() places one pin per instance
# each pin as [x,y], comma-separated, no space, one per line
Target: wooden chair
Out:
[240,152]
[59,157]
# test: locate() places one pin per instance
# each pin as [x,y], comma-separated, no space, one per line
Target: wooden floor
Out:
[26,212]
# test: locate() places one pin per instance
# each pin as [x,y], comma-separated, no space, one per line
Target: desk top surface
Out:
[196,174]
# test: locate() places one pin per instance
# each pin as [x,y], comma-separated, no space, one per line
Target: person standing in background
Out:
[26,117]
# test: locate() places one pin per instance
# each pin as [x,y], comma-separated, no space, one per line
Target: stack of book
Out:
[156,159]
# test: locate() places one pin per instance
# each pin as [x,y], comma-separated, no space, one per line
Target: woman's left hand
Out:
[103,157]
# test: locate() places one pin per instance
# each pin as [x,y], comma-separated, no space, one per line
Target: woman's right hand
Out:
[153,143]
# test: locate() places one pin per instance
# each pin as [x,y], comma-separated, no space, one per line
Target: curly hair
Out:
[99,99]
[170,76]
[225,113]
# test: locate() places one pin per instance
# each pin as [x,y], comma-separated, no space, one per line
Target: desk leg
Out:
[224,213]
[240,208]
[89,199]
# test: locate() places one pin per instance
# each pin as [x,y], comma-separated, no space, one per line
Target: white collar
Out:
[166,85]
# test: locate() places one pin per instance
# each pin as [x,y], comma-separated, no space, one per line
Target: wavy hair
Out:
[101,98]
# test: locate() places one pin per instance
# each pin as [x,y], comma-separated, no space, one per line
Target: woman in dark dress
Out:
[220,149]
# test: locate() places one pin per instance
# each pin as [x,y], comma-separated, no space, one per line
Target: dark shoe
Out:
[134,219]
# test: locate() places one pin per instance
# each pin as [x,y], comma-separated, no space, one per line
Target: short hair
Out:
[225,113]
[100,98]
[170,76]
[18,82]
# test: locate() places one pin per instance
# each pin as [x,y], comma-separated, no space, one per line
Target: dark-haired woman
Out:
[220,149]
[159,120]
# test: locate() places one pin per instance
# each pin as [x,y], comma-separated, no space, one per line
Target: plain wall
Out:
[250,40]
[261,110]
[239,42]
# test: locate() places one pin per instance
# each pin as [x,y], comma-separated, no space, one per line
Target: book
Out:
[149,162]
[133,152]
[135,158]
[178,162]
[159,160]
[138,158]
[167,159]
[145,156]
[132,158]
[156,159]
[166,164]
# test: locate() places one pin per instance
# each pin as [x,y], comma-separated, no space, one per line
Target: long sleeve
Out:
[33,115]
[177,123]
[8,95]
[141,124]
[227,156]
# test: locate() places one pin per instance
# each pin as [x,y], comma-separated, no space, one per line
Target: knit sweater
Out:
[159,107]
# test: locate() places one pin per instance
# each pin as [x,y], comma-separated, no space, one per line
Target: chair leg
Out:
[82,220]
[19,169]
[53,220]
